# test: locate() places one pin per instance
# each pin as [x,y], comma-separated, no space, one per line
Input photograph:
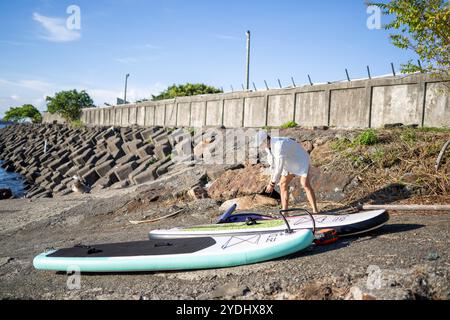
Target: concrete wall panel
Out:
[160,111]
[214,113]
[171,115]
[280,109]
[233,113]
[149,116]
[437,105]
[311,109]
[133,115]
[184,114]
[254,112]
[141,116]
[349,108]
[198,113]
[396,104]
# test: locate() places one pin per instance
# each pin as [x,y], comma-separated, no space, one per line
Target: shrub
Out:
[68,104]
[21,114]
[289,124]
[408,135]
[367,138]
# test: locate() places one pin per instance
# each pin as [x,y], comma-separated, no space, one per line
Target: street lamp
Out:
[126,83]
[247,80]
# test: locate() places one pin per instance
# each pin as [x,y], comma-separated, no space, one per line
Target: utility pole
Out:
[247,82]
[126,83]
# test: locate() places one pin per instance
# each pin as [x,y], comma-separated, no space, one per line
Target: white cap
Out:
[261,137]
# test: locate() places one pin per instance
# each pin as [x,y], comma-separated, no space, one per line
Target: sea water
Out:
[12,180]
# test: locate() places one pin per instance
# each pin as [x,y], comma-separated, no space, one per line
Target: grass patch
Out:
[432,129]
[341,145]
[408,136]
[152,161]
[366,138]
[289,124]
[77,124]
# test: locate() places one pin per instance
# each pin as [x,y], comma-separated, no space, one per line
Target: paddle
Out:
[157,219]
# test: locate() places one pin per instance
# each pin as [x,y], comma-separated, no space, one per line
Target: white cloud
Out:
[100,96]
[17,93]
[56,29]
[226,37]
[136,60]
[35,85]
[151,46]
[127,60]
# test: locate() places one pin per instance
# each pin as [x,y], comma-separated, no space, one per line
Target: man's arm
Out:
[277,169]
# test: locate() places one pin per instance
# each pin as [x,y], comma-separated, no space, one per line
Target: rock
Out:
[273,288]
[5,193]
[249,202]
[126,159]
[393,125]
[321,128]
[132,147]
[200,148]
[114,146]
[122,171]
[163,150]
[308,146]
[120,184]
[147,134]
[164,168]
[409,178]
[84,170]
[150,173]
[197,193]
[145,151]
[78,186]
[104,168]
[241,182]
[432,256]
[5,260]
[231,289]
[84,157]
[330,186]
[215,171]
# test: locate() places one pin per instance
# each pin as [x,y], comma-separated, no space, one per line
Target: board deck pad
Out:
[137,248]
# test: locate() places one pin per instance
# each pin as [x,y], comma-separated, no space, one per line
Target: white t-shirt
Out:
[287,156]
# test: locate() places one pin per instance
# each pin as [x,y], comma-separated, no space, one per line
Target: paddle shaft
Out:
[157,219]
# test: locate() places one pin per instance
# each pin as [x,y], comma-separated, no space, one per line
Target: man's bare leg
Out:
[284,188]
[309,193]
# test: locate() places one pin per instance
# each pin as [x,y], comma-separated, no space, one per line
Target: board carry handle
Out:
[297,209]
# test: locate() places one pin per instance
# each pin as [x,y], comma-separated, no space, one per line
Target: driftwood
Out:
[441,155]
[406,207]
[157,219]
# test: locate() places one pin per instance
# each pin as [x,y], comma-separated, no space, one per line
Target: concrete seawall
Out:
[414,99]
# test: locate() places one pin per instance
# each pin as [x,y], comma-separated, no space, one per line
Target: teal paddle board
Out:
[175,254]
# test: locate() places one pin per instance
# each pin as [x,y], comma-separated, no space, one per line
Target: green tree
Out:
[23,113]
[422,26]
[68,104]
[183,90]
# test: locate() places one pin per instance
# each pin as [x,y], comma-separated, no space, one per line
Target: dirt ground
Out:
[410,254]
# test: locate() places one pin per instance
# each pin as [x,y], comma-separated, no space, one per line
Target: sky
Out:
[51,45]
